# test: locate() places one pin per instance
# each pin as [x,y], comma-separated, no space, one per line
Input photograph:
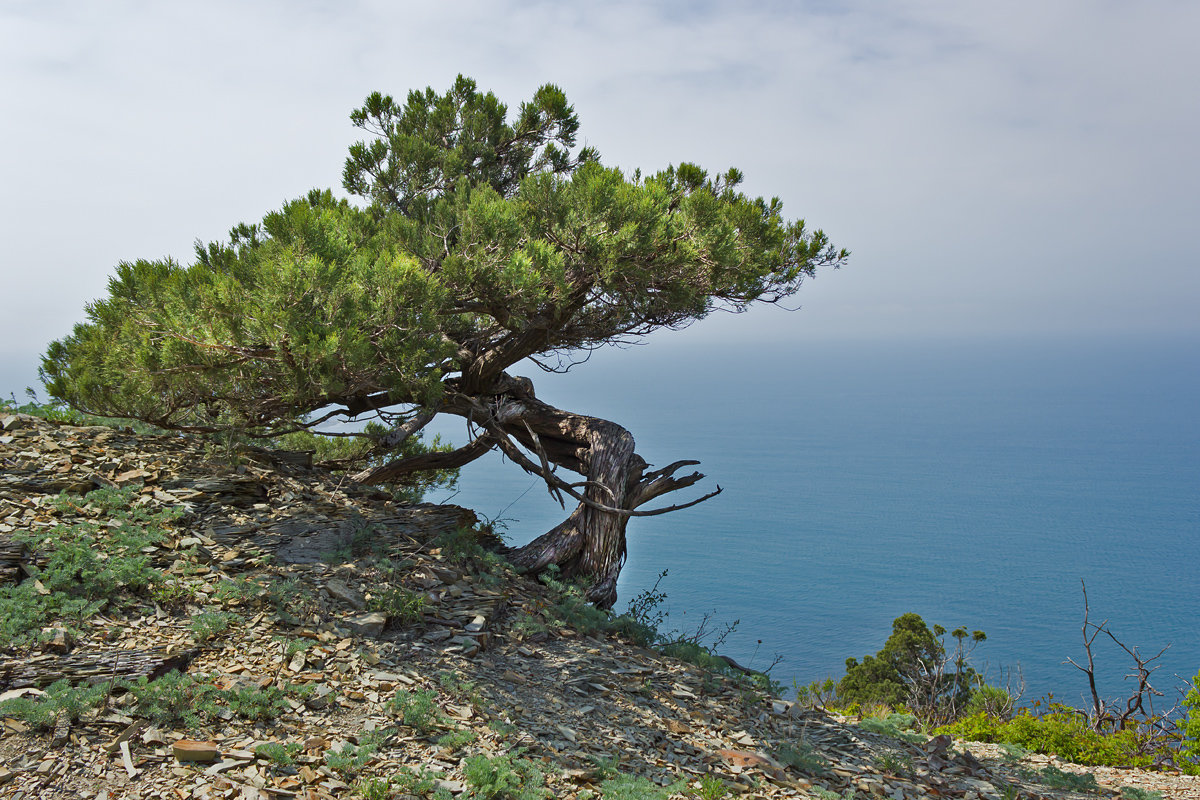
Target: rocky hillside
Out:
[174,626]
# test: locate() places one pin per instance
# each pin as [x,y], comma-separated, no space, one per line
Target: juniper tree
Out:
[481,241]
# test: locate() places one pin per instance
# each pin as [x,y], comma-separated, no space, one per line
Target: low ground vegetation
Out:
[99,561]
[916,686]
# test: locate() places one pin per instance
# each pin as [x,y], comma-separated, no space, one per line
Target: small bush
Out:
[1189,749]
[898,726]
[174,698]
[1134,793]
[990,700]
[801,756]
[711,788]
[457,740]
[60,698]
[278,753]
[208,625]
[630,787]
[86,566]
[350,759]
[238,591]
[1056,778]
[416,710]
[504,777]
[400,605]
[254,703]
[1061,731]
[896,763]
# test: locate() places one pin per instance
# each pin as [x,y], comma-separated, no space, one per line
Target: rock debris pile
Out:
[307,637]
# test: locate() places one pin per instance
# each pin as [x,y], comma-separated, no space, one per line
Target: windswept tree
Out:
[484,241]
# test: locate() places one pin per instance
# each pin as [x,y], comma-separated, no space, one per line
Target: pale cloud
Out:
[1002,167]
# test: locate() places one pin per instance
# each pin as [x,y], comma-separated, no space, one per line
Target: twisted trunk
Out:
[589,545]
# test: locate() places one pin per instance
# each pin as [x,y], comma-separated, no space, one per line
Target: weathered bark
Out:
[590,543]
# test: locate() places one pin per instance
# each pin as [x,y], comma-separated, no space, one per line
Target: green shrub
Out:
[373,788]
[457,740]
[504,777]
[991,700]
[711,788]
[350,759]
[255,703]
[915,670]
[41,712]
[238,591]
[206,625]
[176,697]
[416,709]
[1056,778]
[1189,749]
[86,566]
[898,726]
[1135,793]
[278,753]
[630,787]
[801,756]
[1061,731]
[400,605]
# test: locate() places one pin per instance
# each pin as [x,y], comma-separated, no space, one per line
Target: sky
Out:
[1001,169]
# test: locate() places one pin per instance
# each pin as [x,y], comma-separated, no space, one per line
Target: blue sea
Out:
[975,483]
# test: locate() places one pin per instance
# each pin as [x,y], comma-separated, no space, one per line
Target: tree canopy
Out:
[481,241]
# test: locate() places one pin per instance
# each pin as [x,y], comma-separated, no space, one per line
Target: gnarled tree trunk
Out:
[590,543]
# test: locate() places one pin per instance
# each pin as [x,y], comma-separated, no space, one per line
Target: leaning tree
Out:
[484,241]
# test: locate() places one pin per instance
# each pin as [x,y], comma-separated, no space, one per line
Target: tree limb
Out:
[425,461]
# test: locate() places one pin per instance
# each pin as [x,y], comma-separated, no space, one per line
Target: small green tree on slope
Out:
[914,670]
[484,241]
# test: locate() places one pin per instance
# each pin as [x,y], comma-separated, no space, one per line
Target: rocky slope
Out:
[303,637]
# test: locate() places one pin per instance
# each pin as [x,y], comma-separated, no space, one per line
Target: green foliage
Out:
[288,597]
[1135,793]
[1061,731]
[914,670]
[711,788]
[363,451]
[504,777]
[898,726]
[801,756]
[415,782]
[192,700]
[990,700]
[206,625]
[373,788]
[176,697]
[818,694]
[256,703]
[460,689]
[635,787]
[401,605]
[279,753]
[1189,749]
[87,565]
[896,763]
[351,758]
[1056,778]
[487,240]
[644,617]
[238,591]
[41,712]
[60,412]
[456,740]
[416,709]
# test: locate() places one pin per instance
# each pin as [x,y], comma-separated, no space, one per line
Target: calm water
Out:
[973,484]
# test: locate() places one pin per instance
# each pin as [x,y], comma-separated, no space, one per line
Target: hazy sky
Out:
[1024,168]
